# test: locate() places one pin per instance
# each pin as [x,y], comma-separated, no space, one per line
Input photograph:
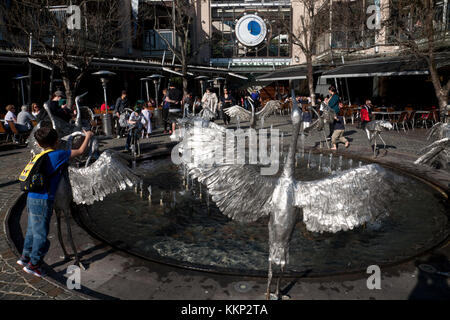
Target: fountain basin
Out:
[189,231]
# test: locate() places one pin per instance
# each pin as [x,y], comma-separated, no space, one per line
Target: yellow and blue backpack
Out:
[34,177]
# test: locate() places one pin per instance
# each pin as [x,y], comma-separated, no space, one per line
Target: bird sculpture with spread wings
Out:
[242,114]
[340,202]
[437,153]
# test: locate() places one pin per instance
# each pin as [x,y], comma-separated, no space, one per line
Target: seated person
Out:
[24,118]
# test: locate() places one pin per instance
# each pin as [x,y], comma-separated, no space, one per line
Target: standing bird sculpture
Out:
[437,153]
[108,174]
[326,117]
[242,114]
[340,202]
[64,128]
[373,130]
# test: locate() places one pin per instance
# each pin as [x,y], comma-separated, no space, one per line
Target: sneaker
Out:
[23,261]
[35,270]
[118,137]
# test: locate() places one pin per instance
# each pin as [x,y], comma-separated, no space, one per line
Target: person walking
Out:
[333,103]
[40,203]
[338,132]
[226,101]
[121,103]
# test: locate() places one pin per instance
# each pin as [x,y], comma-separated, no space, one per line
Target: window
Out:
[223,39]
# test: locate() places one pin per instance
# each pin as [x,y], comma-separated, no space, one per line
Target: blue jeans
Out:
[36,243]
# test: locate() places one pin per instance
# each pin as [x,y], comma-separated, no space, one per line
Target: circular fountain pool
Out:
[182,226]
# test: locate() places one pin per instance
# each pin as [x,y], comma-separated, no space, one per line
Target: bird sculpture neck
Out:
[288,170]
[50,115]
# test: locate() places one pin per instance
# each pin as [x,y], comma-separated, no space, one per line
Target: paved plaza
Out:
[113,274]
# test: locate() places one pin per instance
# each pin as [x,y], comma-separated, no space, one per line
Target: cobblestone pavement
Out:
[15,284]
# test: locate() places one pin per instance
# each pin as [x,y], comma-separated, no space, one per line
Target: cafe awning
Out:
[292,73]
[381,68]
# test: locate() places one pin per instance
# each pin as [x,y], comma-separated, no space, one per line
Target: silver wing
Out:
[239,191]
[207,114]
[268,109]
[348,199]
[237,111]
[108,174]
[433,151]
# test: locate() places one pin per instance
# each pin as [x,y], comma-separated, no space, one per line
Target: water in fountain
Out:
[161,198]
[340,163]
[194,232]
[174,198]
[331,162]
[350,163]
[302,144]
[320,161]
[149,194]
[309,159]
[262,122]
[360,164]
[238,125]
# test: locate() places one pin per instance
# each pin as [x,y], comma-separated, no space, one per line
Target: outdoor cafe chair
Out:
[17,133]
[400,120]
[4,132]
[411,119]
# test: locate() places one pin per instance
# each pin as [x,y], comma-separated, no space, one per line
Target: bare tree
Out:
[70,47]
[421,28]
[182,15]
[313,22]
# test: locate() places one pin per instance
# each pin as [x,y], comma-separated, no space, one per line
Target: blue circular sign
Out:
[254,27]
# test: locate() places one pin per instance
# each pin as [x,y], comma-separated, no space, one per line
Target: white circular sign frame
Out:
[243,34]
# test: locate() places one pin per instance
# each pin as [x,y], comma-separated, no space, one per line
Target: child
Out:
[146,118]
[40,204]
[134,127]
[306,117]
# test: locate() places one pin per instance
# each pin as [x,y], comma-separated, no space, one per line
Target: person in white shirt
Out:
[24,118]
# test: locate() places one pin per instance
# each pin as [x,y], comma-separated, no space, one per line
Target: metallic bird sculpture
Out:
[326,117]
[340,202]
[64,128]
[269,108]
[373,130]
[209,104]
[437,153]
[106,175]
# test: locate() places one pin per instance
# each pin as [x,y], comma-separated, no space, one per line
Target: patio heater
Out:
[146,88]
[220,81]
[156,78]
[106,118]
[22,92]
[202,80]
